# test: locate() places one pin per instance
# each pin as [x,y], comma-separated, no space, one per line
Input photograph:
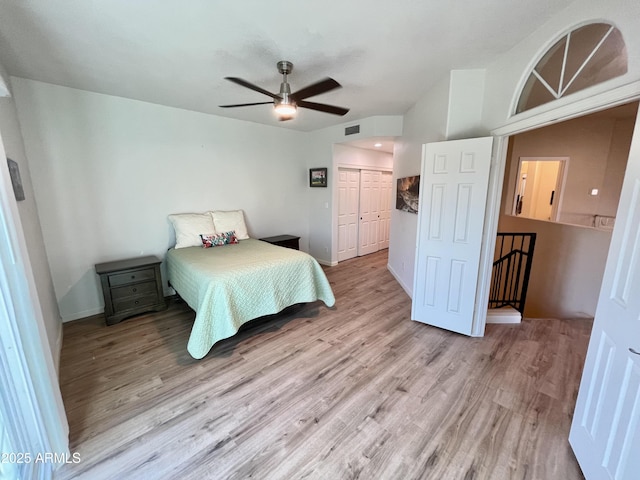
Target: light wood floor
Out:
[358,391]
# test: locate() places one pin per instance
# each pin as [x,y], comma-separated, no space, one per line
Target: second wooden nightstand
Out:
[130,287]
[288,241]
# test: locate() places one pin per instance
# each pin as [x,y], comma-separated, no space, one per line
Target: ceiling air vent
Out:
[352,130]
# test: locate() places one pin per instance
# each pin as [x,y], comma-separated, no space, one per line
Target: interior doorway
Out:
[573,235]
[539,187]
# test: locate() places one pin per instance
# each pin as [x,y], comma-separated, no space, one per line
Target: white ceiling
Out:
[386,54]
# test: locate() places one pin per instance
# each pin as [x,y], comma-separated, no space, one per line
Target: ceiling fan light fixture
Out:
[286,103]
[285,109]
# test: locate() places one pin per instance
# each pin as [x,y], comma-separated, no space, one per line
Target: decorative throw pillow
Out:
[188,227]
[218,239]
[228,221]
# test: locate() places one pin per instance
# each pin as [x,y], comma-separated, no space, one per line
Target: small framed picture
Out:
[317,177]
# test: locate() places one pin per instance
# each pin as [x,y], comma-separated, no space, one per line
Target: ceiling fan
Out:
[286,103]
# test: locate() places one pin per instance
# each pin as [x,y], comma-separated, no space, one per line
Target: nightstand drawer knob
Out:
[134,289]
[132,277]
[137,302]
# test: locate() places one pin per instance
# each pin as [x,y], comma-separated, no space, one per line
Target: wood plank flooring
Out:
[357,391]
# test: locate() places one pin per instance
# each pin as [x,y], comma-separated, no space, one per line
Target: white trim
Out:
[361,167]
[83,314]
[504,315]
[400,281]
[584,64]
[326,263]
[567,108]
[492,214]
[546,85]
[29,379]
[5,91]
[544,49]
[23,426]
[564,62]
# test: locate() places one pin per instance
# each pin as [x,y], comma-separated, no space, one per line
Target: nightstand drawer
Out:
[133,290]
[131,277]
[130,303]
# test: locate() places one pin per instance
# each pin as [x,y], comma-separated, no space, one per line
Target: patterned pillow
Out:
[218,239]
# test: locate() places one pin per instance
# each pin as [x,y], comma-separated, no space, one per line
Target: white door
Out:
[386,192]
[453,194]
[605,433]
[348,202]
[369,211]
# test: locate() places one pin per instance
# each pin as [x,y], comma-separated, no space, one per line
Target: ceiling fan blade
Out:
[245,104]
[317,88]
[322,107]
[251,86]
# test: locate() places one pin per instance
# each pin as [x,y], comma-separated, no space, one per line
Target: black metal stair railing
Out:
[511,270]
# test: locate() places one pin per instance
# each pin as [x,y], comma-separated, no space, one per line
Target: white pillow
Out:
[189,227]
[228,221]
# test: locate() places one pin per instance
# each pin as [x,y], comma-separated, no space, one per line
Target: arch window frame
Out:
[535,77]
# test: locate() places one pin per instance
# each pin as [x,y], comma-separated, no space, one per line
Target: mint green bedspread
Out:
[232,284]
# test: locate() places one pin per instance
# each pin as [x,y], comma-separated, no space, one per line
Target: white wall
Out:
[107,171]
[464,116]
[425,122]
[28,210]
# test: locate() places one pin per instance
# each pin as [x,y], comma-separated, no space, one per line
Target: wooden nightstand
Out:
[288,241]
[131,287]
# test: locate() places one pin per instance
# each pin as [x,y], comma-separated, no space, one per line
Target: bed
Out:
[229,285]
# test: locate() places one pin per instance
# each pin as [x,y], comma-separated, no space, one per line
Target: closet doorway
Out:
[364,211]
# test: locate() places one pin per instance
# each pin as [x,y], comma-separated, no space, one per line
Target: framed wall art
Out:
[317,177]
[408,194]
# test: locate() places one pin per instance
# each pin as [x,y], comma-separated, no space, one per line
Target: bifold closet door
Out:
[369,212]
[348,209]
[386,191]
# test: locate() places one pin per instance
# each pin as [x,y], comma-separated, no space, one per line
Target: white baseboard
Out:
[84,314]
[408,290]
[326,263]
[503,315]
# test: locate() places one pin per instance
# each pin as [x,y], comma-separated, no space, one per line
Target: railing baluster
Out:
[511,270]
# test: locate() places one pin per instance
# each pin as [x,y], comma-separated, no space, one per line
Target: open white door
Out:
[453,194]
[605,433]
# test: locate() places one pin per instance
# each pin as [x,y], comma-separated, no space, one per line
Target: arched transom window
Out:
[584,57]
